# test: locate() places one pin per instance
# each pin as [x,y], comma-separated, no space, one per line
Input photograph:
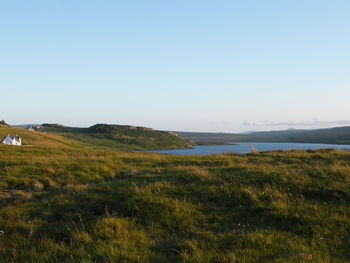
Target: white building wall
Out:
[15,142]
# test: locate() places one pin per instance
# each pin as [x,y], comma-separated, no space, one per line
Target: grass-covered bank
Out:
[70,205]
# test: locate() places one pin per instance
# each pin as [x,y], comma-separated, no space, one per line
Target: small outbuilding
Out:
[12,140]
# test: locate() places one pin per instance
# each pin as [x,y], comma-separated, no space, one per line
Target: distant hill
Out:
[338,135]
[122,137]
[2,122]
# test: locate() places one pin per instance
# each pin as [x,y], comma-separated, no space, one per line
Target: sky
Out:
[184,65]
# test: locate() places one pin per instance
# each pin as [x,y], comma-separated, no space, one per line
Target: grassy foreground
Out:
[83,205]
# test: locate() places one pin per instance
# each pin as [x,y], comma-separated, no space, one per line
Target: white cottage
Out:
[12,140]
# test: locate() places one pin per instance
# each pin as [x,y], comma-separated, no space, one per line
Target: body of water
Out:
[244,147]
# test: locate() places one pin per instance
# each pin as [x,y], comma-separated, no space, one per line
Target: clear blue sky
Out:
[176,65]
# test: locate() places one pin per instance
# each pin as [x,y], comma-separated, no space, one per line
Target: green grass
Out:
[69,204]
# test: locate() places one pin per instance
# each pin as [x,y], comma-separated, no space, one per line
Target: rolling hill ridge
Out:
[121,137]
[337,135]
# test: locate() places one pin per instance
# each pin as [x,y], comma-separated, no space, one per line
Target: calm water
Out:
[244,147]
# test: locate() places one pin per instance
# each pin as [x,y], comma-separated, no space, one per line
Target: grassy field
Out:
[76,204]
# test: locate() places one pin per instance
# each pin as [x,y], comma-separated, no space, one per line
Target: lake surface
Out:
[244,147]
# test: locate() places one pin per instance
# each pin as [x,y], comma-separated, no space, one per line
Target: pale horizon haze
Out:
[214,66]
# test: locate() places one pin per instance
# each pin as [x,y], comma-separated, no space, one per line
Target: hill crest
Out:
[121,137]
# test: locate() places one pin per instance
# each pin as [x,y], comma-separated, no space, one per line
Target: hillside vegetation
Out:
[33,138]
[339,135]
[119,137]
[63,204]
